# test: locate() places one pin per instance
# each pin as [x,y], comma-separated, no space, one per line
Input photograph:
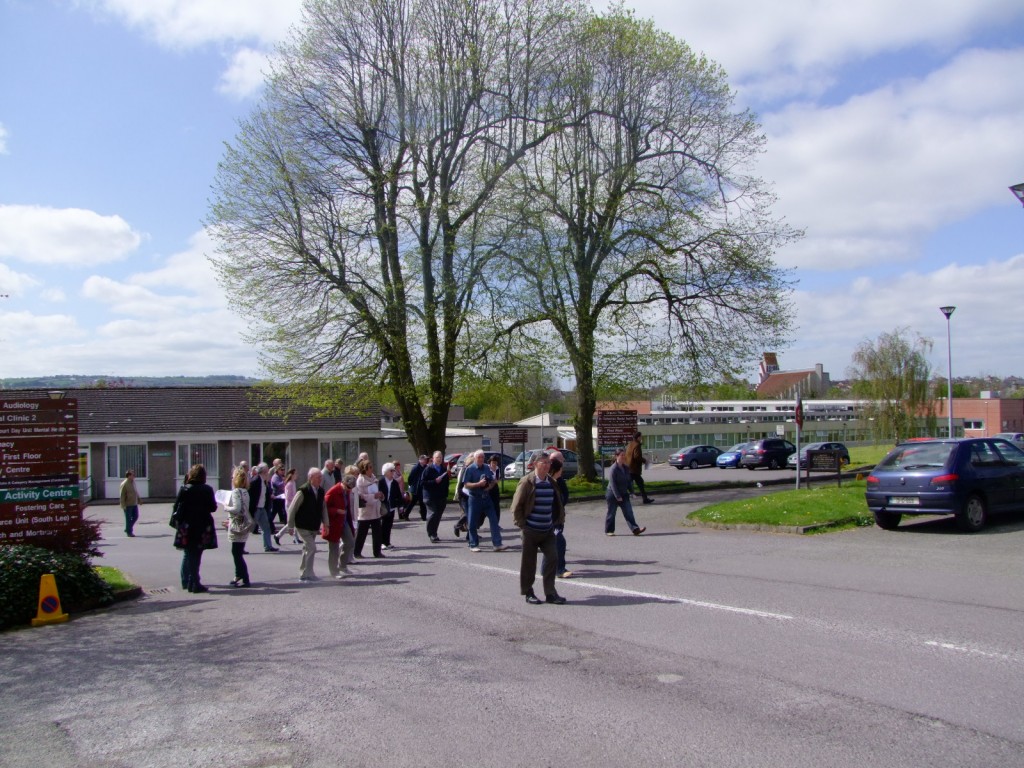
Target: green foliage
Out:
[892,373]
[21,566]
[115,578]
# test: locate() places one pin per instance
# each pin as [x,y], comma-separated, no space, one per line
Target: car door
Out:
[1014,459]
[993,475]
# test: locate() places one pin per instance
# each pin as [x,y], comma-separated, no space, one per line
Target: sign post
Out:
[39,497]
[511,436]
[614,429]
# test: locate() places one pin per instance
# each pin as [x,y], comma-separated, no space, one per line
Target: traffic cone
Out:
[50,611]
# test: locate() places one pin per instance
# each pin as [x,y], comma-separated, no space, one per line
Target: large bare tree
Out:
[350,205]
[637,239]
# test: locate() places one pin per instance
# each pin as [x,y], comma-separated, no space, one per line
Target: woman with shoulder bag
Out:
[240,525]
[195,533]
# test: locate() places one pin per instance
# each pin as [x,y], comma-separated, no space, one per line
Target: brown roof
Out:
[220,410]
[778,384]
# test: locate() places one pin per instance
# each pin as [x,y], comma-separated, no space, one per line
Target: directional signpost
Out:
[614,429]
[38,469]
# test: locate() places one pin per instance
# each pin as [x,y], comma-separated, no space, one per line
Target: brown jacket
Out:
[522,501]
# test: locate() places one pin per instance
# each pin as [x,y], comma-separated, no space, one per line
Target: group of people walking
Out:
[344,506]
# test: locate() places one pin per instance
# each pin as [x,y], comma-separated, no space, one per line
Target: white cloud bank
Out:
[869,177]
[172,320]
[834,322]
[66,236]
[3,140]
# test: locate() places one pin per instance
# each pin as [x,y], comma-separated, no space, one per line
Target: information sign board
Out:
[615,427]
[512,436]
[38,468]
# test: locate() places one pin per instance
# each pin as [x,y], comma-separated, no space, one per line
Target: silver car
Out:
[523,463]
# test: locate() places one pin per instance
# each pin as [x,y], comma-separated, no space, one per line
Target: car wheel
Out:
[694,464]
[971,516]
[888,520]
[750,467]
[680,467]
[773,464]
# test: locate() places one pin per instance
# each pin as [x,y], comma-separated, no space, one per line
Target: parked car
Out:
[523,463]
[731,458]
[1013,437]
[503,459]
[770,452]
[968,478]
[451,460]
[694,456]
[844,454]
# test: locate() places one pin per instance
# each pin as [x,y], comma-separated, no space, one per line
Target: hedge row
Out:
[21,566]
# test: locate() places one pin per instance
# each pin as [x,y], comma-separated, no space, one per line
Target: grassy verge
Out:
[115,578]
[821,505]
[868,455]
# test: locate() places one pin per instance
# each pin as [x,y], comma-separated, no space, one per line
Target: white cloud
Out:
[13,283]
[53,295]
[868,177]
[245,75]
[834,322]
[67,236]
[3,140]
[787,45]
[189,23]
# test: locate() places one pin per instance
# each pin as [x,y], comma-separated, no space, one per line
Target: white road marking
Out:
[969,650]
[637,593]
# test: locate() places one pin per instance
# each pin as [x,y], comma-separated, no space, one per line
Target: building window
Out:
[121,458]
[345,451]
[976,424]
[190,454]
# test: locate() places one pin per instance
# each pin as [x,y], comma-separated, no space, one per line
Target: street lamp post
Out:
[947,311]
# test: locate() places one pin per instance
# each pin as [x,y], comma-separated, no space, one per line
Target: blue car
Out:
[731,458]
[970,479]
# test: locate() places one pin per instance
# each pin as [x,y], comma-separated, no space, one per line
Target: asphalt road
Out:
[682,647]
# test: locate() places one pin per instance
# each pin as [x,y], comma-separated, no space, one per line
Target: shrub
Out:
[21,566]
[80,539]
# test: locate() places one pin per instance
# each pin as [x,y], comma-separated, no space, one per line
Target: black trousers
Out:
[545,542]
[373,526]
[639,480]
[387,522]
[241,569]
[434,520]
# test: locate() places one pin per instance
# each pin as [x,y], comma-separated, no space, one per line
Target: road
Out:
[683,646]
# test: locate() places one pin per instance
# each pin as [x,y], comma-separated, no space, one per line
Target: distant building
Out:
[159,432]
[983,416]
[775,384]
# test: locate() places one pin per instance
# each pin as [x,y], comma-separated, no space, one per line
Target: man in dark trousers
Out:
[435,481]
[537,510]
[618,496]
[635,462]
[416,488]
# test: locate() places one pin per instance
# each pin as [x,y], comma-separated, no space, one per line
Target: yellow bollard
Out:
[50,610]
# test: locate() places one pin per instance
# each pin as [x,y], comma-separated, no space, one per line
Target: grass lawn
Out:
[115,578]
[822,505]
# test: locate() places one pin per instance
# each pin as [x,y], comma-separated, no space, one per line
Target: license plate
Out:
[904,501]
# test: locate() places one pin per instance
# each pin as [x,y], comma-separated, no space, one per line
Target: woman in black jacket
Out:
[196,532]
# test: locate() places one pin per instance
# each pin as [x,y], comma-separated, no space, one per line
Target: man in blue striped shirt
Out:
[537,510]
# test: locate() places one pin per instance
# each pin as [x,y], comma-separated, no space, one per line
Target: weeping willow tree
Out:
[892,375]
[636,241]
[349,207]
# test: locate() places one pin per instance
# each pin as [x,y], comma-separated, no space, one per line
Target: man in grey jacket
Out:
[619,484]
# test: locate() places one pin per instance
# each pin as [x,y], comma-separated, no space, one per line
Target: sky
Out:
[893,133]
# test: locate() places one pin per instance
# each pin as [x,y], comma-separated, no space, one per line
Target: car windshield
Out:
[736,448]
[918,456]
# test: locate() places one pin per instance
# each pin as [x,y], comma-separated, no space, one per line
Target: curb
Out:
[799,530]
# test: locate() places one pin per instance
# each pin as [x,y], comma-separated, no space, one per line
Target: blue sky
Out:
[893,134]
